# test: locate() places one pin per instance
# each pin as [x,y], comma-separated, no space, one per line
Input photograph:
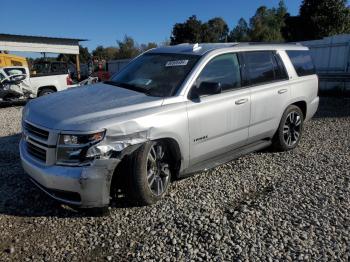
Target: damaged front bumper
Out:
[85,186]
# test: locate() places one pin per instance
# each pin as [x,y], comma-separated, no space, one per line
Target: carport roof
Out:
[42,44]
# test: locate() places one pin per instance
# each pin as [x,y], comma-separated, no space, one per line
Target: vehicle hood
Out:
[86,108]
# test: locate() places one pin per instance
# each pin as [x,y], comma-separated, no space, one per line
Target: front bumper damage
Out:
[84,186]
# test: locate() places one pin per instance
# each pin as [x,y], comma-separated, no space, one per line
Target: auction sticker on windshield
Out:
[176,63]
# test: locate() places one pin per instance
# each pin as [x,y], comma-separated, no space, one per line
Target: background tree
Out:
[214,31]
[145,47]
[267,24]
[188,32]
[106,53]
[241,33]
[325,17]
[84,56]
[127,48]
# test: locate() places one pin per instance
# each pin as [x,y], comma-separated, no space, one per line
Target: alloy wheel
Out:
[292,128]
[158,173]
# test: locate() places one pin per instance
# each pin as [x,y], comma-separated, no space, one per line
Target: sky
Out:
[103,22]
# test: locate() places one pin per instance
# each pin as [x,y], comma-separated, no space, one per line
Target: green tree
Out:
[84,56]
[145,47]
[323,18]
[267,24]
[127,48]
[241,33]
[215,30]
[106,53]
[188,32]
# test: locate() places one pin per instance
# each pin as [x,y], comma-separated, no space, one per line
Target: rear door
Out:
[218,123]
[270,92]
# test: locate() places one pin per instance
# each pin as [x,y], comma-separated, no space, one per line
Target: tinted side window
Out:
[302,62]
[60,68]
[280,70]
[260,67]
[222,69]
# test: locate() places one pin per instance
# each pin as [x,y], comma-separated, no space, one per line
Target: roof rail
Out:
[268,43]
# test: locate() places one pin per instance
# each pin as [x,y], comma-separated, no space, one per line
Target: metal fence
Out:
[331,56]
[114,66]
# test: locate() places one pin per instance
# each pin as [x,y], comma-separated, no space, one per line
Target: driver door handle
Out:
[281,91]
[241,101]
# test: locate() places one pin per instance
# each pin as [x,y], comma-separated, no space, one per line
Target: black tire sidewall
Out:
[47,91]
[279,142]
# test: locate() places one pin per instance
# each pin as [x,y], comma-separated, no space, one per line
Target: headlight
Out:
[72,148]
[116,144]
[76,140]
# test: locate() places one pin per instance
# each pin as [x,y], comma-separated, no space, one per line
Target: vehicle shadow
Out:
[333,107]
[20,197]
[4,104]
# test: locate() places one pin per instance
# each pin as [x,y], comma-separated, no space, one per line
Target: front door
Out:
[219,123]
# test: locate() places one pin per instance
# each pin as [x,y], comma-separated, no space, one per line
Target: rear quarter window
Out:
[302,62]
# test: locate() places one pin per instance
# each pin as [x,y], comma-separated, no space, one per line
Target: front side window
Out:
[223,69]
[302,62]
[260,67]
[155,74]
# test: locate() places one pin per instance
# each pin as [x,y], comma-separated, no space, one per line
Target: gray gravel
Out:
[264,206]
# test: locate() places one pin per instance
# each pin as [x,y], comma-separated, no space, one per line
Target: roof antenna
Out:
[196,47]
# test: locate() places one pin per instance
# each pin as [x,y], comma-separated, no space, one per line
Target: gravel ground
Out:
[264,206]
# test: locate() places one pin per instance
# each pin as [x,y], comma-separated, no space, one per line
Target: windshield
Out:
[156,74]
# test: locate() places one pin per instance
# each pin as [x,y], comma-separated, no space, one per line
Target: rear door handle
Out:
[241,101]
[281,91]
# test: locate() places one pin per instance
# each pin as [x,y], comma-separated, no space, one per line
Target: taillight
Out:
[69,80]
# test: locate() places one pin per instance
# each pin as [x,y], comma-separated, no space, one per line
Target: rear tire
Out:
[151,176]
[290,129]
[46,91]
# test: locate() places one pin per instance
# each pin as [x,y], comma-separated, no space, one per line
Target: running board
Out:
[226,157]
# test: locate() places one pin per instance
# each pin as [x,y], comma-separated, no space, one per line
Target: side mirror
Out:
[206,88]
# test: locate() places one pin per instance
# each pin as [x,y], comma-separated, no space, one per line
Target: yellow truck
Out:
[12,60]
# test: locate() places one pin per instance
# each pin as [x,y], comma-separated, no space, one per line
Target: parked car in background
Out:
[33,86]
[171,112]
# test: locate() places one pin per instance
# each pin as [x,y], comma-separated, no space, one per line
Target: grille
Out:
[36,152]
[38,132]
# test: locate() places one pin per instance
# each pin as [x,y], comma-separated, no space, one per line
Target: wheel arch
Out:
[303,107]
[175,153]
[46,87]
[121,171]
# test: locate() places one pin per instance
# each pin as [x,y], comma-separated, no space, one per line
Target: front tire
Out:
[151,176]
[290,129]
[46,91]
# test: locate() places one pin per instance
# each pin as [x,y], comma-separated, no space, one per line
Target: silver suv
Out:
[171,112]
